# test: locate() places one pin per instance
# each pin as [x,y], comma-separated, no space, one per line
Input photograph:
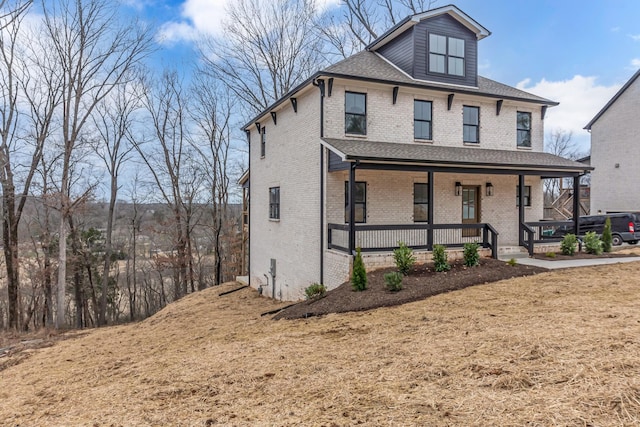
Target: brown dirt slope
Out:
[557,348]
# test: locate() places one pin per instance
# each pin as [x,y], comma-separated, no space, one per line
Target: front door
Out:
[470,210]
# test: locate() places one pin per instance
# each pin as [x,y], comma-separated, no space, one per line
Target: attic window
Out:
[446,55]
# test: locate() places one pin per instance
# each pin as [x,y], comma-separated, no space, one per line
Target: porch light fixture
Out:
[489,189]
[458,188]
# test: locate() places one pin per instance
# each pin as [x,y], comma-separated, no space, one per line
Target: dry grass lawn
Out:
[558,348]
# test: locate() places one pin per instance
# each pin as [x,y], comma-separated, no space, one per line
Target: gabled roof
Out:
[612,100]
[543,164]
[408,22]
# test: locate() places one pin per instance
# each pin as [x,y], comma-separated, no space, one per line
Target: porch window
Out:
[360,201]
[527,195]
[524,129]
[420,202]
[422,119]
[446,55]
[263,142]
[274,203]
[355,113]
[471,124]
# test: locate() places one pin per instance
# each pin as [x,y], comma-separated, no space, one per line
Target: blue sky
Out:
[576,52]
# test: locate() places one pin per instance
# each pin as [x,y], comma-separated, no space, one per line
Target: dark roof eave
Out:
[612,100]
[353,158]
[389,32]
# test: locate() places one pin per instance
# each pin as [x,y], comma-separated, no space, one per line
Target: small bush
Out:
[440,259]
[359,274]
[471,254]
[569,243]
[512,262]
[607,237]
[393,281]
[315,291]
[404,258]
[592,243]
[550,254]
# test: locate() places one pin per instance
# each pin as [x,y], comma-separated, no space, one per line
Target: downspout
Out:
[320,85]
[248,132]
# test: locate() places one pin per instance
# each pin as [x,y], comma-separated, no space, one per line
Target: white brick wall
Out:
[614,141]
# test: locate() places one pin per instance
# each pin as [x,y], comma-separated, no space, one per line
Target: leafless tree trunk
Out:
[94,54]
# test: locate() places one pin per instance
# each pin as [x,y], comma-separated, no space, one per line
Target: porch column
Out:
[520,209]
[576,204]
[430,210]
[352,208]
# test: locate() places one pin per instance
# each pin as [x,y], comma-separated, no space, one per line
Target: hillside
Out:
[558,348]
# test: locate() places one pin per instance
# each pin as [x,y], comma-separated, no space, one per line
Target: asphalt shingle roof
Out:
[428,154]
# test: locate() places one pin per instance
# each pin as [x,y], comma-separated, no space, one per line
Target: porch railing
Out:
[382,238]
[543,232]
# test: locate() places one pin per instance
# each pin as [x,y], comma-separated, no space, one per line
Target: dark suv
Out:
[625,227]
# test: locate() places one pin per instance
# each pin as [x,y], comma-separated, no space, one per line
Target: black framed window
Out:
[355,113]
[527,195]
[274,203]
[524,129]
[360,201]
[446,55]
[263,142]
[471,124]
[420,202]
[422,119]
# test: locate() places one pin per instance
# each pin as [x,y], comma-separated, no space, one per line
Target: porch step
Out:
[508,252]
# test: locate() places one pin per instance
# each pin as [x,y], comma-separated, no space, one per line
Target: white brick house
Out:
[428,151]
[614,152]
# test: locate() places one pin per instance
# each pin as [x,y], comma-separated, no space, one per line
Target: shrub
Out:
[569,243]
[592,243]
[315,291]
[607,237]
[471,254]
[512,262]
[550,254]
[404,258]
[440,258]
[393,281]
[359,274]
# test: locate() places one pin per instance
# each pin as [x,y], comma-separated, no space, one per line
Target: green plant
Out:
[471,254]
[607,237]
[393,281]
[440,259]
[568,244]
[592,243]
[550,254]
[359,274]
[404,258]
[315,291]
[512,262]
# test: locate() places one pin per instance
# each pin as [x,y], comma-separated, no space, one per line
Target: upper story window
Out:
[422,119]
[274,203]
[360,201]
[471,124]
[527,195]
[524,129]
[355,113]
[446,55]
[420,202]
[263,142]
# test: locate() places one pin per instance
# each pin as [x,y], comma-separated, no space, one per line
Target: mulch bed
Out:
[581,255]
[423,282]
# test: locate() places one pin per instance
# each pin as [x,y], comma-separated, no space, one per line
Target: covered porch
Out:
[423,195]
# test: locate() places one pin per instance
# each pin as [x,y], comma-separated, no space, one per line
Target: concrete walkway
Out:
[552,265]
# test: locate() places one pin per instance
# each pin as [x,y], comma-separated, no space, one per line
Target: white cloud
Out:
[635,37]
[635,63]
[580,100]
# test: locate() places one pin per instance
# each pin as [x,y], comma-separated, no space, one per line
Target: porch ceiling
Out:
[417,156]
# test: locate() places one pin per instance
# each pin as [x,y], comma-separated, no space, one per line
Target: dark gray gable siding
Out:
[445,25]
[336,163]
[400,51]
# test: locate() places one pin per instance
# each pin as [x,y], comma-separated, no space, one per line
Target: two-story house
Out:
[403,141]
[614,151]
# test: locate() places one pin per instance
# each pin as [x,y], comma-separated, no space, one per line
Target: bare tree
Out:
[264,55]
[94,53]
[558,142]
[10,11]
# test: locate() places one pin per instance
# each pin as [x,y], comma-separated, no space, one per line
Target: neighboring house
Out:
[614,152]
[401,142]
